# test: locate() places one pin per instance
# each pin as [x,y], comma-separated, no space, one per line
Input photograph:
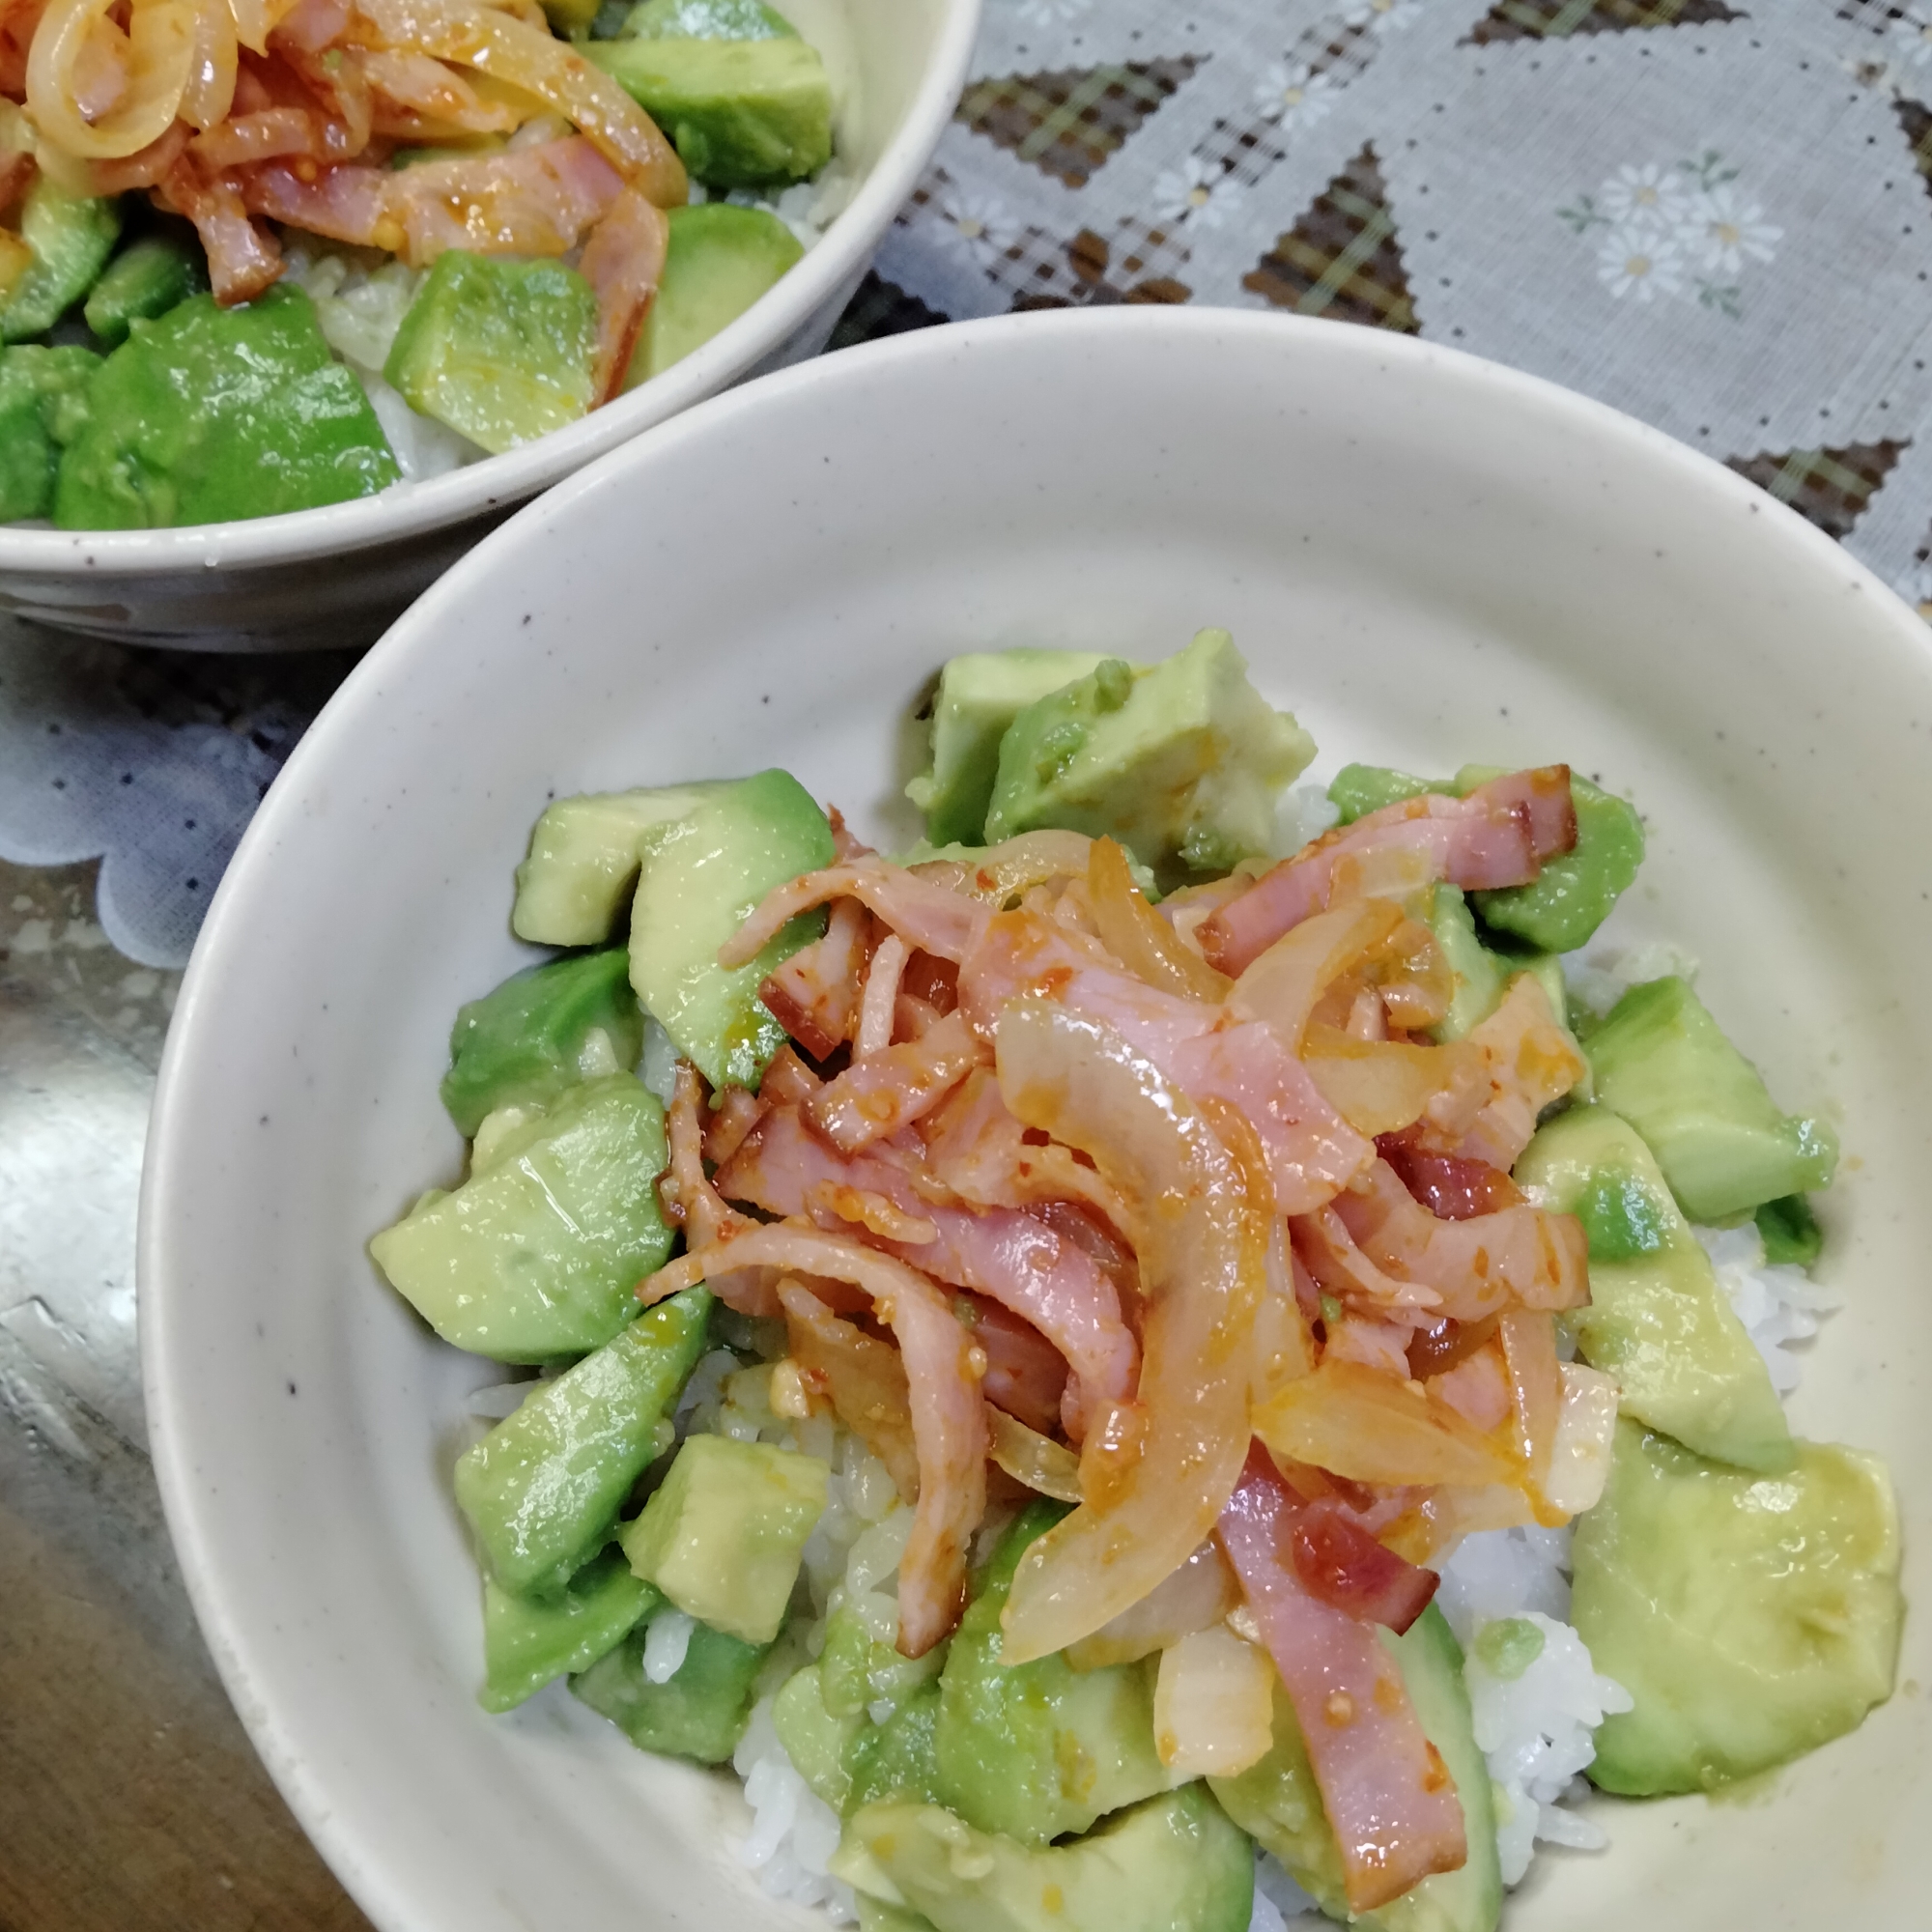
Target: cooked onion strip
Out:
[1047,1467]
[162,37]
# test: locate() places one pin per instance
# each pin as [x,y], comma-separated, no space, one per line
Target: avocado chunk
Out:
[528,1644]
[501,350]
[1174,1863]
[702,875]
[143,281]
[1657,1320]
[718,261]
[699,1712]
[72,237]
[43,404]
[542,1490]
[1279,1803]
[899,1759]
[708,20]
[1790,1232]
[1356,790]
[533,1038]
[813,1738]
[208,414]
[725,1533]
[1036,1750]
[860,1670]
[1180,762]
[582,863]
[1663,1062]
[741,113]
[1753,1618]
[980,694]
[536,1256]
[1481,977]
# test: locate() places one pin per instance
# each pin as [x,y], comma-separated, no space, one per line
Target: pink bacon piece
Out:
[889,1089]
[526,201]
[1497,835]
[1477,1267]
[622,262]
[242,257]
[815,994]
[931,918]
[1387,1793]
[1013,1258]
[949,1415]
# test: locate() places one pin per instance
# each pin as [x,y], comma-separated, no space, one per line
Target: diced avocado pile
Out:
[189,414]
[1741,1584]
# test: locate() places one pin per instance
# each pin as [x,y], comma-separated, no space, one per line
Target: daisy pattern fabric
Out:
[1713,214]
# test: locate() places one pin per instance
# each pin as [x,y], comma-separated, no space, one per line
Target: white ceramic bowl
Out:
[320,579]
[1430,559]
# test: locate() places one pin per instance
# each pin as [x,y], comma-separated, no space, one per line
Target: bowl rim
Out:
[163,1254]
[366,522]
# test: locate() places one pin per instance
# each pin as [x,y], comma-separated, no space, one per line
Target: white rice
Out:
[1599,980]
[1778,1305]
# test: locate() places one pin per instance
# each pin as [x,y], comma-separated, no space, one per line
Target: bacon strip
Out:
[526,201]
[1499,835]
[1340,1564]
[1014,1257]
[692,1203]
[896,1086]
[242,259]
[949,1416]
[349,203]
[1451,1187]
[1477,1267]
[623,262]
[1532,1061]
[815,994]
[930,916]
[1387,1793]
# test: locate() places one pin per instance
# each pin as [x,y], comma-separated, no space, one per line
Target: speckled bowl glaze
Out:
[334,577]
[1430,559]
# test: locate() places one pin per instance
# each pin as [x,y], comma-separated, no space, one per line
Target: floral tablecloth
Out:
[1717,217]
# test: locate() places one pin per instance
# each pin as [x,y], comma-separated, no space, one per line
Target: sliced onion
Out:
[1013,866]
[1201,1249]
[1213,1705]
[1358,1423]
[1138,937]
[162,34]
[1383,1086]
[1580,1457]
[211,83]
[1536,1391]
[1193,1598]
[1047,1467]
[535,60]
[1284,985]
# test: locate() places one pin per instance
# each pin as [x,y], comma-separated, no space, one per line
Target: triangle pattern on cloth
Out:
[1916,119]
[1829,486]
[881,308]
[1070,123]
[1091,259]
[1557,19]
[1341,259]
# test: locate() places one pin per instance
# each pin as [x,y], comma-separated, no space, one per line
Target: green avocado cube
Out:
[542,1490]
[501,350]
[1176,1863]
[537,1257]
[1657,1320]
[1356,790]
[1180,762]
[72,237]
[702,875]
[144,281]
[528,1642]
[859,1671]
[540,1034]
[43,406]
[720,259]
[898,1759]
[725,1533]
[1750,1617]
[708,20]
[208,414]
[1664,1064]
[980,694]
[741,113]
[1036,1750]
[583,863]
[814,1739]
[1790,1232]
[699,1712]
